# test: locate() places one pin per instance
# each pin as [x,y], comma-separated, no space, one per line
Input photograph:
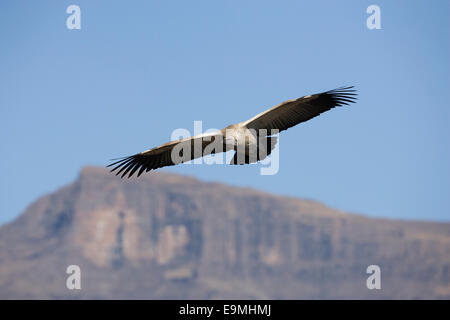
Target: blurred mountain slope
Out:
[170,236]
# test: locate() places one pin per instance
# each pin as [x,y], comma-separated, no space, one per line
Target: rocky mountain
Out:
[170,236]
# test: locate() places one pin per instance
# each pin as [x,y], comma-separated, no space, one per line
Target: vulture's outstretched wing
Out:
[169,154]
[293,112]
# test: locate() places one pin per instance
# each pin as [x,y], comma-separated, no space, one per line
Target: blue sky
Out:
[139,69]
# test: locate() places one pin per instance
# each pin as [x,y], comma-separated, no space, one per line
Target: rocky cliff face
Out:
[169,236]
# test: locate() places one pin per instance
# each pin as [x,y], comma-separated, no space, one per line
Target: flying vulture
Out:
[252,140]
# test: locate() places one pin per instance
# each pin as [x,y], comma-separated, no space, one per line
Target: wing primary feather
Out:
[129,167]
[144,166]
[121,160]
[125,167]
[137,166]
[121,164]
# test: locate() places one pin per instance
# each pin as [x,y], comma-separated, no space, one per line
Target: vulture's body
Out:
[252,140]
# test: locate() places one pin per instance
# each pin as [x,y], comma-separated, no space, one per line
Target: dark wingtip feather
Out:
[343,95]
[119,160]
[125,164]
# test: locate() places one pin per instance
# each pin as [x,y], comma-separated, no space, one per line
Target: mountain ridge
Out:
[170,236]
